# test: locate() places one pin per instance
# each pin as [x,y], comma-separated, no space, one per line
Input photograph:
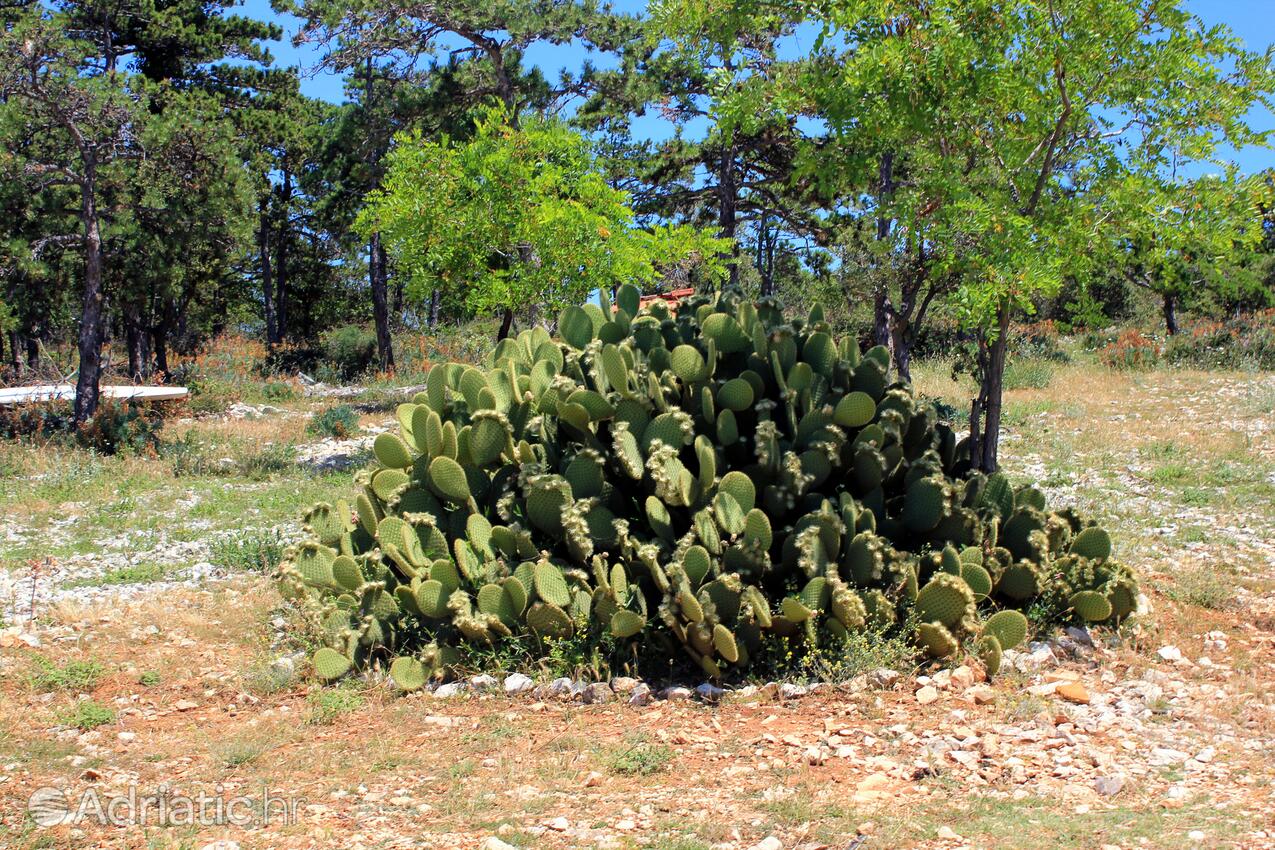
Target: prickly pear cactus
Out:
[706,482]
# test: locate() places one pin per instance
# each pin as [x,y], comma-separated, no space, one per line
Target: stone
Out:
[709,692]
[948,834]
[676,694]
[494,843]
[814,756]
[593,779]
[450,690]
[962,677]
[518,683]
[981,694]
[222,844]
[790,691]
[1170,653]
[1073,692]
[1080,635]
[641,695]
[1204,756]
[483,682]
[558,824]
[1109,786]
[626,825]
[623,684]
[127,737]
[884,678]
[185,705]
[597,693]
[927,695]
[560,687]
[770,842]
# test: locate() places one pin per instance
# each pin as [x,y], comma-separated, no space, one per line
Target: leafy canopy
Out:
[519,216]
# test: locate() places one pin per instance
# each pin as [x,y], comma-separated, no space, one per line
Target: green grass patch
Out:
[72,676]
[87,715]
[329,704]
[135,574]
[640,757]
[248,551]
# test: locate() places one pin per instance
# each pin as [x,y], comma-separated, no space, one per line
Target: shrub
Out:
[1246,341]
[1130,350]
[279,391]
[72,676]
[350,350]
[340,422]
[726,485]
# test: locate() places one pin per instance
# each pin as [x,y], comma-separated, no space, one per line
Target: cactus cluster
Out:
[709,480]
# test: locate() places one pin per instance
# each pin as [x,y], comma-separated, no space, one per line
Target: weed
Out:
[340,422]
[328,704]
[238,751]
[1202,586]
[248,551]
[149,679]
[639,757]
[136,574]
[1028,373]
[73,676]
[271,460]
[87,715]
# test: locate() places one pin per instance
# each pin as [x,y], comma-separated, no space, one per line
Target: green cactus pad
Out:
[1019,582]
[688,363]
[1090,606]
[1093,543]
[924,504]
[626,624]
[736,395]
[1009,627]
[725,643]
[988,649]
[330,665]
[550,584]
[391,451]
[978,579]
[854,410]
[447,479]
[946,599]
[548,620]
[409,674]
[936,640]
[576,327]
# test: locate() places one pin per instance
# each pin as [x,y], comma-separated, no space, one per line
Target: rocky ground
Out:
[1158,736]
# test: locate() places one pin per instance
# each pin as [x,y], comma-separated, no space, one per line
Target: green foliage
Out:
[87,715]
[340,422]
[248,551]
[349,350]
[329,705]
[71,676]
[517,216]
[572,497]
[639,757]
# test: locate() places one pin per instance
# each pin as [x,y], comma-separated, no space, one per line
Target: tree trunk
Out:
[901,347]
[506,323]
[267,280]
[159,336]
[435,300]
[984,451]
[380,304]
[1170,315]
[727,200]
[134,339]
[87,383]
[281,270]
[33,352]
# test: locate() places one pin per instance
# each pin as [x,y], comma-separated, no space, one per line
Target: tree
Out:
[1029,129]
[95,117]
[711,63]
[516,217]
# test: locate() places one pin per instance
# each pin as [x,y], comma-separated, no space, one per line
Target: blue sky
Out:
[1252,20]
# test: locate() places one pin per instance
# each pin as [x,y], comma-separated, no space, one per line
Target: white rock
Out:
[770,842]
[790,691]
[676,694]
[1195,835]
[560,687]
[484,682]
[623,684]
[1206,755]
[494,843]
[450,690]
[927,695]
[1109,786]
[558,824]
[222,844]
[598,692]
[1170,653]
[518,683]
[948,834]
